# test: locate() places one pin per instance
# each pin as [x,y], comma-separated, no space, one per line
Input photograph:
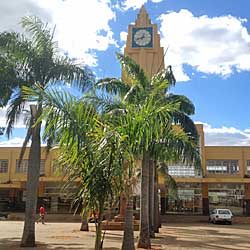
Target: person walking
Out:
[41,212]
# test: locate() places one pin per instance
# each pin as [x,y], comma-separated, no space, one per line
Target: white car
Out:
[221,215]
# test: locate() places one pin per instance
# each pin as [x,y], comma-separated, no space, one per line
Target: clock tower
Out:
[143,44]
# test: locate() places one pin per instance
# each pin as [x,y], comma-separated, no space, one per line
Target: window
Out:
[24,166]
[222,167]
[188,198]
[226,195]
[248,167]
[60,190]
[223,211]
[183,171]
[3,166]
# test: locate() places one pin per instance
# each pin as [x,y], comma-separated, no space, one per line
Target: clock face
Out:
[142,37]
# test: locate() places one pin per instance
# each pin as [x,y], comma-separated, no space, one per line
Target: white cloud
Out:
[12,11]
[18,124]
[179,73]
[136,4]
[225,136]
[211,45]
[14,142]
[81,28]
[123,36]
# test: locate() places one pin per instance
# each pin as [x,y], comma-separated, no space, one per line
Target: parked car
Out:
[221,215]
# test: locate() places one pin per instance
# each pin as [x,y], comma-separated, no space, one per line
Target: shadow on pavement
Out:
[14,244]
[179,237]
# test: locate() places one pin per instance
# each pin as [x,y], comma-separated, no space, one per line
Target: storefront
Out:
[186,199]
[227,195]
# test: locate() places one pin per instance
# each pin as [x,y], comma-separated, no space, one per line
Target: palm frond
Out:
[133,70]
[66,71]
[186,106]
[186,124]
[14,111]
[112,86]
[177,147]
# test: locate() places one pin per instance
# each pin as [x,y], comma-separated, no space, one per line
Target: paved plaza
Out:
[174,236]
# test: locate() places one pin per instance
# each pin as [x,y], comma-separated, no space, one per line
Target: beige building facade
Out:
[223,181]
[13,179]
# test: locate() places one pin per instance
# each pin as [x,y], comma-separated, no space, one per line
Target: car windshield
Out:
[224,212]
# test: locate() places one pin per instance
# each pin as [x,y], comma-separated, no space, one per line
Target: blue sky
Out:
[207,42]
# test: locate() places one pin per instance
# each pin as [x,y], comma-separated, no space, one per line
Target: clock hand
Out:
[141,37]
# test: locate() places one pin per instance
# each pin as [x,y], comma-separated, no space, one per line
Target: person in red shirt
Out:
[41,212]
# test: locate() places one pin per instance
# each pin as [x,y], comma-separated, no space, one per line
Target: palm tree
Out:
[31,59]
[136,122]
[156,132]
[139,122]
[90,146]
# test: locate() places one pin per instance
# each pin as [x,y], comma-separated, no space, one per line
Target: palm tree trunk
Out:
[156,204]
[128,236]
[98,233]
[144,237]
[151,199]
[84,225]
[98,236]
[28,238]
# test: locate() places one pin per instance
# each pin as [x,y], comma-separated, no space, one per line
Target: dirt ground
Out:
[172,236]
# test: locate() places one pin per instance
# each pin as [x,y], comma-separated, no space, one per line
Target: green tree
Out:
[91,148]
[156,131]
[140,122]
[96,145]
[135,123]
[31,59]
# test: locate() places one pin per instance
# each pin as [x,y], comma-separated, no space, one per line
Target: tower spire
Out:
[142,18]
[143,44]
